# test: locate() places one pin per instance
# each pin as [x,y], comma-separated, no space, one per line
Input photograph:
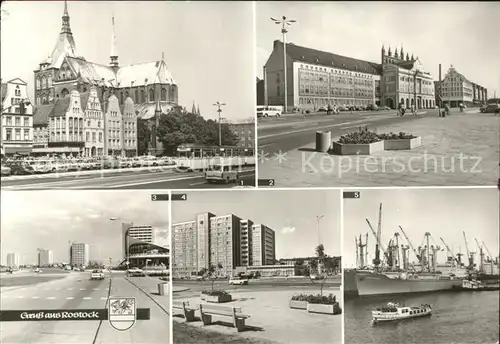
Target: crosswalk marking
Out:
[104,298]
[35,297]
[87,298]
[70,298]
[51,298]
[82,289]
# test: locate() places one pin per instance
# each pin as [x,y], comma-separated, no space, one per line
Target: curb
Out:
[149,296]
[180,290]
[77,174]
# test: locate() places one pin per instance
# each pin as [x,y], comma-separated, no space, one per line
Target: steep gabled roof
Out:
[318,57]
[42,113]
[155,72]
[84,99]
[92,73]
[60,107]
[147,110]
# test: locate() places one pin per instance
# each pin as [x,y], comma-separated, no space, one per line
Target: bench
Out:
[235,313]
[183,306]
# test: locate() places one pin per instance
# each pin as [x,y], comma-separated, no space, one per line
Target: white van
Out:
[269,111]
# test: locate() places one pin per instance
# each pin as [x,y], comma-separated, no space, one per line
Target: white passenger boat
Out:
[393,311]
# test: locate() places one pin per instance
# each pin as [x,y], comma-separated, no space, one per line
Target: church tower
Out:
[383,54]
[113,63]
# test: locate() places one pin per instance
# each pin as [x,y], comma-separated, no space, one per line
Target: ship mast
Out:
[357,256]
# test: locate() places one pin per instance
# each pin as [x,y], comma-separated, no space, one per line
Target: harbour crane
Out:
[366,251]
[470,255]
[481,256]
[398,261]
[357,256]
[452,255]
[488,251]
[379,247]
[404,249]
[492,261]
[411,245]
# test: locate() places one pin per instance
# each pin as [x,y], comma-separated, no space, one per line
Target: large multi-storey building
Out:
[45,257]
[456,89]
[13,260]
[141,247]
[16,118]
[149,85]
[227,240]
[317,79]
[79,254]
[262,245]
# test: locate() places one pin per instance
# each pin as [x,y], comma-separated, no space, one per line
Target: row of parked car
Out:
[370,107]
[38,166]
[490,108]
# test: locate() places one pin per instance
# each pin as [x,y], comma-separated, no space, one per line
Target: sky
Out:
[461,34]
[209,47]
[444,213]
[49,219]
[290,213]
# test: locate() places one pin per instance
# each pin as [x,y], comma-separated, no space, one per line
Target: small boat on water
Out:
[393,311]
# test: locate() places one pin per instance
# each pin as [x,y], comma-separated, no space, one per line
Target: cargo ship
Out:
[369,283]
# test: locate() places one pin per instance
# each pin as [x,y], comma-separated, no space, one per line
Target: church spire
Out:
[193,109]
[198,110]
[114,53]
[66,28]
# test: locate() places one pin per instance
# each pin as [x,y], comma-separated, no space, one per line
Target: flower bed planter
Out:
[217,298]
[357,149]
[323,309]
[298,304]
[403,144]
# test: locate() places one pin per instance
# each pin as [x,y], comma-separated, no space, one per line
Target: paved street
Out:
[459,150]
[292,132]
[271,319]
[76,291]
[144,179]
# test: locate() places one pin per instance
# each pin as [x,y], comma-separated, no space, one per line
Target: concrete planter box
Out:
[217,299]
[298,304]
[357,149]
[323,309]
[403,144]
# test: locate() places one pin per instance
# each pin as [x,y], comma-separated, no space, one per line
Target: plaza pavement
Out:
[271,319]
[459,150]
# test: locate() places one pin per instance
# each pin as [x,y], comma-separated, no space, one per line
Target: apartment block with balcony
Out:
[225,242]
[16,118]
[184,249]
[263,245]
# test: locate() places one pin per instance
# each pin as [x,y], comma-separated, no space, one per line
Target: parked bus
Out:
[195,157]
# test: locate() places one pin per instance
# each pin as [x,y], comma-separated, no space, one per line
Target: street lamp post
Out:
[284,22]
[318,218]
[219,110]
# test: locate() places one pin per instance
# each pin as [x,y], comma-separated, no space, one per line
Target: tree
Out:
[316,264]
[180,127]
[300,269]
[202,272]
[212,271]
[143,136]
